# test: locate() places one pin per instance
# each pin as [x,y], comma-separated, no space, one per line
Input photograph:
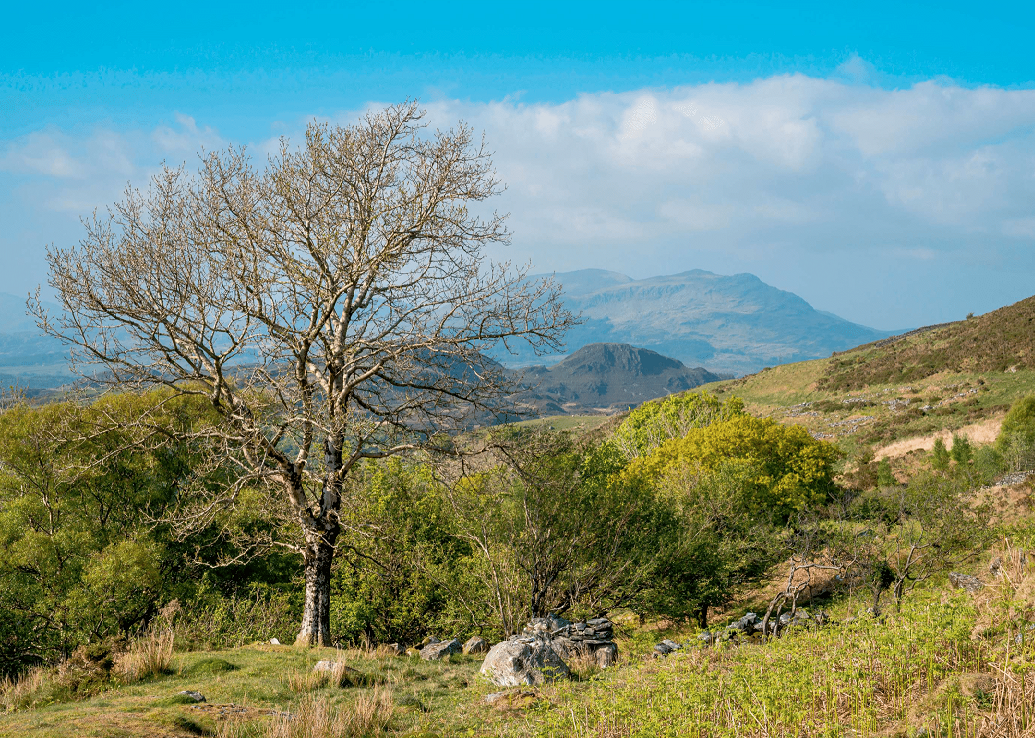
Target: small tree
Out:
[332,307]
[553,530]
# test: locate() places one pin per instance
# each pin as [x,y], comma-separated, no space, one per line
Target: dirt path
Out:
[981,433]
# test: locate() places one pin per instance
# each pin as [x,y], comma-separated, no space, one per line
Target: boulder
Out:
[439,650]
[327,665]
[666,647]
[966,582]
[529,661]
[274,642]
[192,695]
[476,644]
[396,649]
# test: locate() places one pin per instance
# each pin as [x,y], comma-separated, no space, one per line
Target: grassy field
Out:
[567,422]
[950,663]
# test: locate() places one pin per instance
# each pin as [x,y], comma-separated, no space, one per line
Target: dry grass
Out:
[18,691]
[148,656]
[368,716]
[583,665]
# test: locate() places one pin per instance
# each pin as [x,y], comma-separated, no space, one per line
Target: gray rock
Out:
[666,647]
[476,644]
[325,665]
[705,637]
[606,655]
[494,696]
[746,623]
[557,622]
[530,661]
[396,649]
[966,582]
[274,642]
[567,648]
[192,695]
[438,651]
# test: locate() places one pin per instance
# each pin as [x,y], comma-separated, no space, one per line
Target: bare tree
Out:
[333,306]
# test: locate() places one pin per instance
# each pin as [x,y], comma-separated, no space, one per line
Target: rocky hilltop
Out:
[608,376]
[737,324]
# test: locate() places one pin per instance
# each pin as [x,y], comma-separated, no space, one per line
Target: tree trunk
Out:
[316,617]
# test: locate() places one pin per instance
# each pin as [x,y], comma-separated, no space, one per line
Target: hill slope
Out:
[608,376]
[733,324]
[945,377]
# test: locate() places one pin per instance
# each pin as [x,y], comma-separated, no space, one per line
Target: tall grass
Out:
[148,656]
[17,692]
[368,716]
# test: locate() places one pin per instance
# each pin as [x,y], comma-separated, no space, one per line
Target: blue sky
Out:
[876,159]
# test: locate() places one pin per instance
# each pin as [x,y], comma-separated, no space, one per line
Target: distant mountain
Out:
[733,323]
[27,358]
[607,376]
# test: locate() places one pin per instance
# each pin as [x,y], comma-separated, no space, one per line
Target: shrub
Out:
[940,456]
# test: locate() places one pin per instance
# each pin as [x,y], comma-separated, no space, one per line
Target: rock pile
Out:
[536,655]
[966,582]
[750,626]
[593,638]
[666,647]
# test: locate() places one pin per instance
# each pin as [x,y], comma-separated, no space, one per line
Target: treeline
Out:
[687,502]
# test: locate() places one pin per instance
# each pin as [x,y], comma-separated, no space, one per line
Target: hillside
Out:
[28,359]
[603,377]
[948,377]
[736,324]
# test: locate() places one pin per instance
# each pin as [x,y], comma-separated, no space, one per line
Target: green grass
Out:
[782,391]
[262,679]
[941,662]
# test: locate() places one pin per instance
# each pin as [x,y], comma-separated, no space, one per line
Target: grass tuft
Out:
[148,656]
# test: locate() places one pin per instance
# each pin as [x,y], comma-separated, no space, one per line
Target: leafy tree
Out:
[80,558]
[552,530]
[402,549]
[332,307]
[962,452]
[926,527]
[791,471]
[1016,440]
[655,422]
[722,544]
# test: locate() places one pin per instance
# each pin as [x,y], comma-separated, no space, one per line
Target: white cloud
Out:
[790,177]
[791,158]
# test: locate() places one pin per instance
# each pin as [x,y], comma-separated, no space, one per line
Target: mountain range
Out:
[733,324]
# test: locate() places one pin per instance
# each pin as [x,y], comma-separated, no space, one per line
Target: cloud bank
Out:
[891,207]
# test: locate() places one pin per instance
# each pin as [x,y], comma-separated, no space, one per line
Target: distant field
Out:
[567,422]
